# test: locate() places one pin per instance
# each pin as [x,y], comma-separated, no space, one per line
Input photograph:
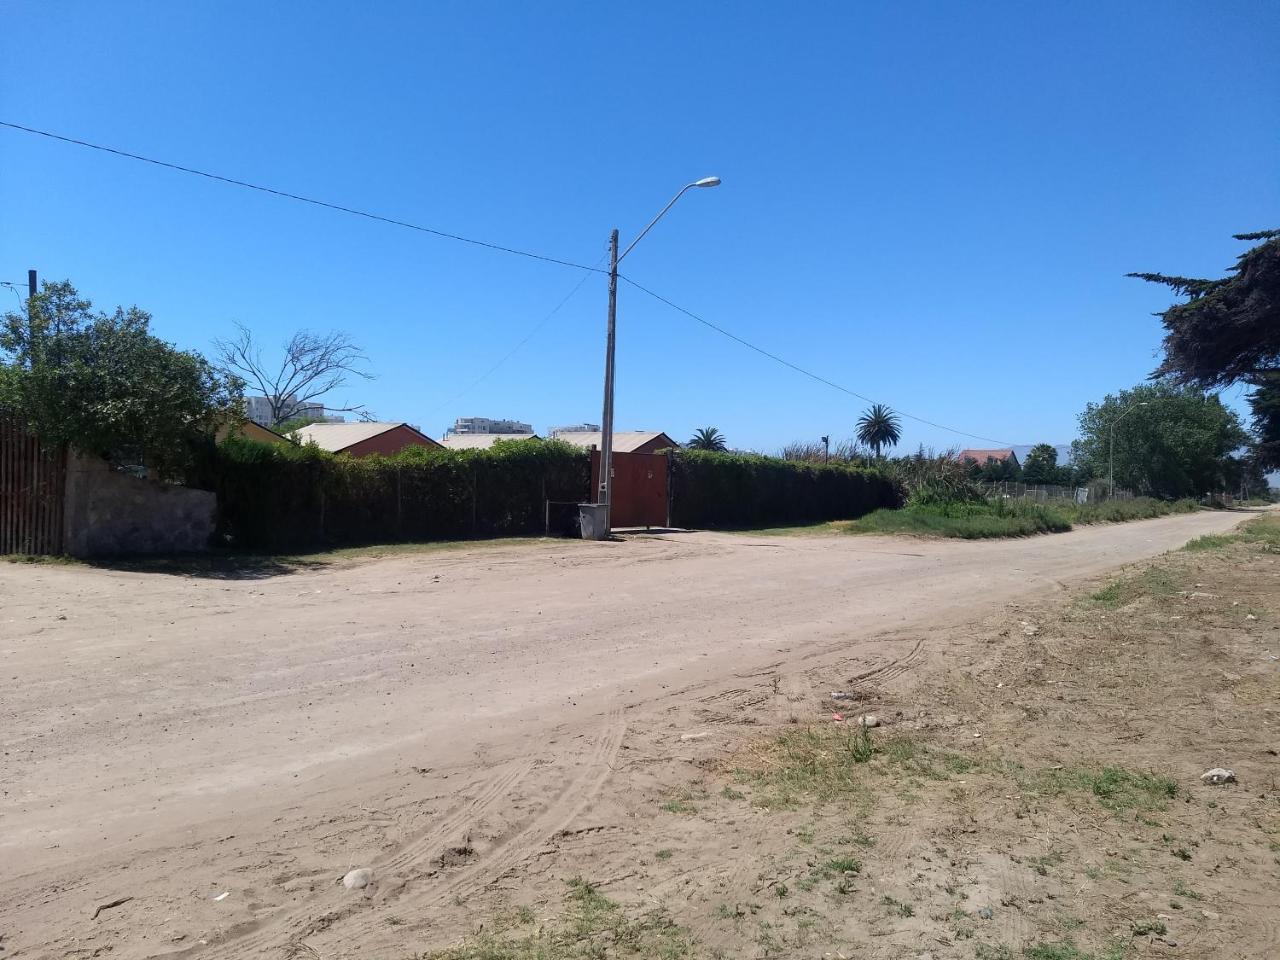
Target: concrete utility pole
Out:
[606,420]
[604,492]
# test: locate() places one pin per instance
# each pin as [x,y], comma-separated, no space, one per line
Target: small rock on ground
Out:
[358,879]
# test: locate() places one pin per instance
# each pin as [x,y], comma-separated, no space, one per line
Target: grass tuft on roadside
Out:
[1261,532]
[996,517]
[1151,582]
[831,763]
[1115,788]
[592,926]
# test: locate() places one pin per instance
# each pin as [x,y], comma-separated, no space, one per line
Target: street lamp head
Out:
[707,182]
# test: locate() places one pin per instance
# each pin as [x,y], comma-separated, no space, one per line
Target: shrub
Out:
[967,520]
[710,490]
[277,497]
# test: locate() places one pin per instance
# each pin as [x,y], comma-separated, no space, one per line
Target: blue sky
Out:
[933,204]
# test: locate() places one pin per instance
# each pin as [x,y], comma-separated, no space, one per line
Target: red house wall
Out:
[393,440]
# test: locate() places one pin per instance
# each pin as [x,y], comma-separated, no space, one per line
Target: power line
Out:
[798,369]
[512,352]
[294,196]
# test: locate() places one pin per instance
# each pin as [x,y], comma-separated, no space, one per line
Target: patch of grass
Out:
[1211,541]
[590,921]
[1054,951]
[664,854]
[915,758]
[825,763]
[41,558]
[780,890]
[972,520]
[859,838]
[897,906]
[727,911]
[679,805]
[731,794]
[1180,889]
[842,865]
[1042,865]
[818,763]
[1120,511]
[987,951]
[1115,788]
[1151,582]
[1147,928]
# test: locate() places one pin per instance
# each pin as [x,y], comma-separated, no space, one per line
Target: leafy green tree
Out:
[296,424]
[1041,465]
[1170,441]
[1228,331]
[707,438]
[879,427]
[105,385]
[996,471]
[1264,403]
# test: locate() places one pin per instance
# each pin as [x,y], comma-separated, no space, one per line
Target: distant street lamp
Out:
[1111,471]
[605,490]
[826,449]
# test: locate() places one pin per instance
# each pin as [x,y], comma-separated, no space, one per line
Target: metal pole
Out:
[1111,464]
[31,283]
[605,490]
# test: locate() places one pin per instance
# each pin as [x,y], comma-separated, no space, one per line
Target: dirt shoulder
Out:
[480,728]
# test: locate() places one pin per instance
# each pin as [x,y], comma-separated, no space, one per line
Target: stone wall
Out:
[108,512]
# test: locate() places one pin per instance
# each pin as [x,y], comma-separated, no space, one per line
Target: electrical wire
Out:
[801,370]
[490,246]
[294,196]
[514,350]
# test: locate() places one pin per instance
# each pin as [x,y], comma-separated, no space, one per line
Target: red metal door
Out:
[639,488]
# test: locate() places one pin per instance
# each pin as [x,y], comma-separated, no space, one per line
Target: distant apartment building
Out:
[258,409]
[576,428]
[464,426]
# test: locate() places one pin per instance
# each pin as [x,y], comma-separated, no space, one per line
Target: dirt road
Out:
[437,718]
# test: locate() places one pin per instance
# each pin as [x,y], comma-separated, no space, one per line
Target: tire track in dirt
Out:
[255,937]
[360,921]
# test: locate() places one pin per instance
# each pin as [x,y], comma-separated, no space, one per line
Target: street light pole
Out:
[1111,457]
[604,491]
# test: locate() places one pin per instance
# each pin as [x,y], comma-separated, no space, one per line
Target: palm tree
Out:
[879,427]
[707,438]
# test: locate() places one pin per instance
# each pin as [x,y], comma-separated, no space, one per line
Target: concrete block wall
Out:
[108,513]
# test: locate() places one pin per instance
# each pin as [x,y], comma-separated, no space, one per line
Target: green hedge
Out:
[710,490]
[277,497]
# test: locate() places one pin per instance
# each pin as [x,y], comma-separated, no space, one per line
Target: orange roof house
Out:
[980,457]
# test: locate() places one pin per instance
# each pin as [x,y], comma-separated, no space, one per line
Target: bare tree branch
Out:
[311,365]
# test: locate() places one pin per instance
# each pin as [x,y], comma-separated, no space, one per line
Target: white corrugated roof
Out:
[482,441]
[338,436]
[624,441]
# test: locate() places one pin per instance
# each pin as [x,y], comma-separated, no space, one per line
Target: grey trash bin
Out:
[593,520]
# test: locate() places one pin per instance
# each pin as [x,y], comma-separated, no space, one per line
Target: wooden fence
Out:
[33,478]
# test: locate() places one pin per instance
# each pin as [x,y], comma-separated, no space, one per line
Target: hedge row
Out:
[277,497]
[711,490]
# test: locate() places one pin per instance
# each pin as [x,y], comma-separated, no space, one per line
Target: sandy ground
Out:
[440,719]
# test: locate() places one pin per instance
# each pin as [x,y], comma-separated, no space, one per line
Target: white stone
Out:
[358,879]
[1218,775]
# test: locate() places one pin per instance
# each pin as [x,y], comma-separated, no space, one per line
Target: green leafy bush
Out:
[278,497]
[710,490]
